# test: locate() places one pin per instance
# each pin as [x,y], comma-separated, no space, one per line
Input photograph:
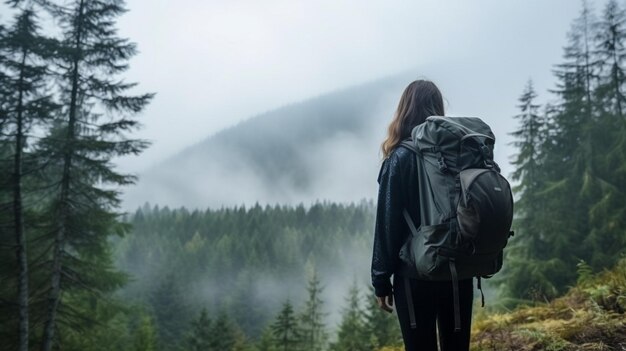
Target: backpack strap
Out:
[455,293]
[409,302]
[407,286]
[409,221]
[482,296]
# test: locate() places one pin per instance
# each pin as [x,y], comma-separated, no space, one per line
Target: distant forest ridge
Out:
[319,149]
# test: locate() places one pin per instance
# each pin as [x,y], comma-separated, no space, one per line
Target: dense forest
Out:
[76,273]
[571,164]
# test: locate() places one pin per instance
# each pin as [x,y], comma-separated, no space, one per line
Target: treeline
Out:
[65,113]
[244,262]
[363,327]
[571,164]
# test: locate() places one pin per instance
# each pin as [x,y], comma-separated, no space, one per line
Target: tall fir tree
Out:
[610,50]
[91,130]
[314,335]
[608,210]
[529,137]
[286,329]
[352,335]
[381,327]
[567,168]
[523,271]
[26,102]
[225,334]
[266,341]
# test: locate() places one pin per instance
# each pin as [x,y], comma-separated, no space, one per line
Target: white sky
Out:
[215,63]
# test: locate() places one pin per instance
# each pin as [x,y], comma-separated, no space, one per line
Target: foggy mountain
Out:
[322,148]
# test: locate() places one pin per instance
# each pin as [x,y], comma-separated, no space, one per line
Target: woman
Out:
[431,302]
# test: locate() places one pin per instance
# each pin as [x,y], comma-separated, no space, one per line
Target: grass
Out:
[591,316]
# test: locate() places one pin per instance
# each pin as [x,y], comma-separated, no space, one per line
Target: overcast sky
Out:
[215,63]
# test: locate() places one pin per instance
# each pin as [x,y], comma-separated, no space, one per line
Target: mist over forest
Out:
[319,149]
[259,236]
[326,148]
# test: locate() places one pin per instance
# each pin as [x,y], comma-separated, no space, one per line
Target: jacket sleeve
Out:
[390,229]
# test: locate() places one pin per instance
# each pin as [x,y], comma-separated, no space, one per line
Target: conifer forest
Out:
[79,273]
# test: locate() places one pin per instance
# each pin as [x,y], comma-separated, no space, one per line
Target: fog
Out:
[324,148]
[215,63]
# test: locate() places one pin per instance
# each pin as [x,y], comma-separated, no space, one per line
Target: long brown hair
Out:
[419,100]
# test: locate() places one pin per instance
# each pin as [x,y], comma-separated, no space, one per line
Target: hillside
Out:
[591,316]
[317,149]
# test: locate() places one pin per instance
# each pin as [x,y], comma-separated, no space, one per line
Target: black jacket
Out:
[398,189]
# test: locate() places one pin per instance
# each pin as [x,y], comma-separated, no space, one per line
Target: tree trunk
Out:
[22,262]
[63,210]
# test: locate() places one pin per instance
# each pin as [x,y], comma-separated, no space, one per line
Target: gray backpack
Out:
[466,205]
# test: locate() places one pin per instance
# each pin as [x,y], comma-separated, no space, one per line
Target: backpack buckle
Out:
[442,164]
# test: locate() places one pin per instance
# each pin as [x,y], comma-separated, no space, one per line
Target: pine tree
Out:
[314,336]
[529,138]
[568,182]
[285,329]
[352,335]
[611,53]
[225,335]
[382,327]
[266,341]
[25,102]
[200,337]
[608,210]
[528,246]
[170,311]
[90,131]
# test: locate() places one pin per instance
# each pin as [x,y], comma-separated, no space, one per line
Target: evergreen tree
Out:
[568,183]
[25,102]
[266,341]
[611,53]
[200,337]
[381,327]
[352,334]
[170,311]
[225,335]
[145,336]
[527,248]
[314,336]
[90,131]
[286,331]
[608,210]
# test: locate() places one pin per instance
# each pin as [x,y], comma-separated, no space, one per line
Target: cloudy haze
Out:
[214,63]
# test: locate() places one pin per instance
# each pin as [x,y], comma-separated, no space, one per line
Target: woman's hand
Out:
[385,302]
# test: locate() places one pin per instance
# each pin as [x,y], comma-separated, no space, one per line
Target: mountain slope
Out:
[322,148]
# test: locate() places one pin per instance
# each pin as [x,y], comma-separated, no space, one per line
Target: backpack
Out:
[466,205]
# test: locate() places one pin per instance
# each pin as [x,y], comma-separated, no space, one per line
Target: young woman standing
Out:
[428,303]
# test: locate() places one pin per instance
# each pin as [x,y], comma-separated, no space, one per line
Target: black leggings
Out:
[433,302]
